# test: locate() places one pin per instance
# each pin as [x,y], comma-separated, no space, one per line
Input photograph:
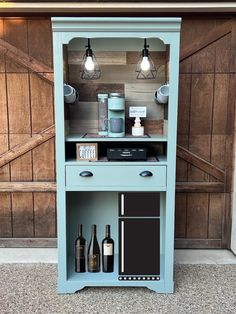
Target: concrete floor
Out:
[199,289]
[48,255]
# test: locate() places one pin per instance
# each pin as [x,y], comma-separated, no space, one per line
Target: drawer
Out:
[111,176]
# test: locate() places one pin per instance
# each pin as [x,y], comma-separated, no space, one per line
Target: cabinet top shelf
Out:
[128,138]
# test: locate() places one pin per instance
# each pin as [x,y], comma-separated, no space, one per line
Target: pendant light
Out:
[90,69]
[145,68]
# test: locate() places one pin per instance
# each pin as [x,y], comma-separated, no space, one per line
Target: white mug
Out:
[70,94]
[162,94]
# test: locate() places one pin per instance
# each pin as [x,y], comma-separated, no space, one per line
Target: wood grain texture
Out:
[28,242]
[2,52]
[200,146]
[197,215]
[41,97]
[200,163]
[206,39]
[181,164]
[198,243]
[25,147]
[25,187]
[116,74]
[18,103]
[21,167]
[221,92]
[141,91]
[22,215]
[15,38]
[184,103]
[223,50]
[180,215]
[40,41]
[88,91]
[3,105]
[204,60]
[199,187]
[5,215]
[201,104]
[44,215]
[103,57]
[216,209]
[44,161]
[5,170]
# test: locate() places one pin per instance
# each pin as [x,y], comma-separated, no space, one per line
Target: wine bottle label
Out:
[80,251]
[108,249]
[93,261]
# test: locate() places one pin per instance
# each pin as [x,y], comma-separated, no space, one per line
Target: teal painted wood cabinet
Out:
[144,233]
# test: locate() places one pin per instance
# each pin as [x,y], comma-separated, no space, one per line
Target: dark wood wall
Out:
[205,133]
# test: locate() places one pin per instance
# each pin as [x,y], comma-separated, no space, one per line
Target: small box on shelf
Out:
[87,151]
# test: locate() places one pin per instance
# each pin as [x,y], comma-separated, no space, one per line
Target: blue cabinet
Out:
[136,198]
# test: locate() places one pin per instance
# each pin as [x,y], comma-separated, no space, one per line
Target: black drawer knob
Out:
[85,174]
[146,174]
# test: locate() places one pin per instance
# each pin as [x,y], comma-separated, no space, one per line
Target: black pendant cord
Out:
[145,51]
[89,51]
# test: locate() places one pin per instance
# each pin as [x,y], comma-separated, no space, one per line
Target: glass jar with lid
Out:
[102,114]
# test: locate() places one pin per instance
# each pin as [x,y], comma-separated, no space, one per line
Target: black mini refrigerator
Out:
[139,236]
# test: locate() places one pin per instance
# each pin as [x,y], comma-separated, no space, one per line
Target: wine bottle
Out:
[93,253]
[108,252]
[80,251]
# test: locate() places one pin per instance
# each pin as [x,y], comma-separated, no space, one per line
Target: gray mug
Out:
[116,125]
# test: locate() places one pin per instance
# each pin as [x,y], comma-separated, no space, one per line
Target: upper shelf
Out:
[128,138]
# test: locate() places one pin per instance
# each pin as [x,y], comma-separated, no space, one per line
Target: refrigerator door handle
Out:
[122,209]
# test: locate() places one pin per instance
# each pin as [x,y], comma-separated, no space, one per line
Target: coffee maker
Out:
[116,115]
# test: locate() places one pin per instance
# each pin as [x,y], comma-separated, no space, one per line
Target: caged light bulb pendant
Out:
[145,68]
[90,69]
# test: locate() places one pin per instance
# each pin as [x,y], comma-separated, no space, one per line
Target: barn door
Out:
[205,133]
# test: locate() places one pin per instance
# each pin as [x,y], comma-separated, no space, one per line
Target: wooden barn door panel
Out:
[27,152]
[205,120]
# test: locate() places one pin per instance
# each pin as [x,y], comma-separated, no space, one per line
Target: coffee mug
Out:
[70,94]
[116,125]
[162,94]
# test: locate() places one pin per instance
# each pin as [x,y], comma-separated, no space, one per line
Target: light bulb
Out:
[89,64]
[145,64]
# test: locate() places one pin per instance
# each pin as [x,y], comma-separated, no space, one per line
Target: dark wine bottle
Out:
[80,252]
[93,253]
[108,252]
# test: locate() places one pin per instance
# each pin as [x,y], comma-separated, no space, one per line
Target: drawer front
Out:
[111,176]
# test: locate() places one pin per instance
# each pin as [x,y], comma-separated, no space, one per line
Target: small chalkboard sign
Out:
[87,151]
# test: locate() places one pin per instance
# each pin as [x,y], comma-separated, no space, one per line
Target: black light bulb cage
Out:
[94,74]
[152,72]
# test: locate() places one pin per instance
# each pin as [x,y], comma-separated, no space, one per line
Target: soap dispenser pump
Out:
[137,129]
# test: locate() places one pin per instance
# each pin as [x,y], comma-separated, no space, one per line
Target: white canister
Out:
[70,94]
[162,94]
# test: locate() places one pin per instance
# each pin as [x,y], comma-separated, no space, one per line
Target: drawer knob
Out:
[85,174]
[146,174]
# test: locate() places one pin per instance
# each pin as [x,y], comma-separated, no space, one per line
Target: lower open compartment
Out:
[101,209]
